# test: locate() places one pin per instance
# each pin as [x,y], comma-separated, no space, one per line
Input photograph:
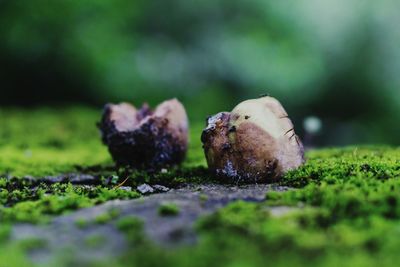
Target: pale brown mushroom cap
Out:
[178,122]
[261,140]
[124,116]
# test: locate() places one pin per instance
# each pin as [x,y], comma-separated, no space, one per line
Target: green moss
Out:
[338,165]
[345,202]
[203,198]
[95,241]
[14,256]
[5,230]
[132,227]
[46,141]
[168,209]
[63,198]
[82,223]
[195,156]
[107,216]
[32,244]
[128,223]
[14,253]
[345,210]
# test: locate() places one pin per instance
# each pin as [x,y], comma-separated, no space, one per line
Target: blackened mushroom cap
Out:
[144,138]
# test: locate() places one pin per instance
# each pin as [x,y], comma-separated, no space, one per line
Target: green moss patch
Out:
[345,211]
[168,209]
[45,201]
[344,202]
[50,142]
[42,142]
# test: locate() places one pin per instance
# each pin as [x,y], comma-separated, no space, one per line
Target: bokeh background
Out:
[334,62]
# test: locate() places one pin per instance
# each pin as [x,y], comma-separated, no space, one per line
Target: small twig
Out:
[121,184]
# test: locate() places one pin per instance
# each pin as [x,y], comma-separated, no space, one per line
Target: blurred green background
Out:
[336,61]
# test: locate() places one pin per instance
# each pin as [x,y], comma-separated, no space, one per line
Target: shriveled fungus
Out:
[253,143]
[143,138]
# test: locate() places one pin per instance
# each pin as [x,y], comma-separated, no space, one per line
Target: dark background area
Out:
[334,61]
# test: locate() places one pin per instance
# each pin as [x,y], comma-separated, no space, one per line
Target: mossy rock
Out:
[345,202]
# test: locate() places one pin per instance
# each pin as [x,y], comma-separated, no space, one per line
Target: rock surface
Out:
[64,234]
[145,189]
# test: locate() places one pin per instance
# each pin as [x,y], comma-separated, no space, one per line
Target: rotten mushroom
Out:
[143,138]
[255,142]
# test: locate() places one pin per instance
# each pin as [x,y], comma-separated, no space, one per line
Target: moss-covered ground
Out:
[344,202]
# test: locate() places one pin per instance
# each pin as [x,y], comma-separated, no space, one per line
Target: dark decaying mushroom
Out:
[143,138]
[253,143]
